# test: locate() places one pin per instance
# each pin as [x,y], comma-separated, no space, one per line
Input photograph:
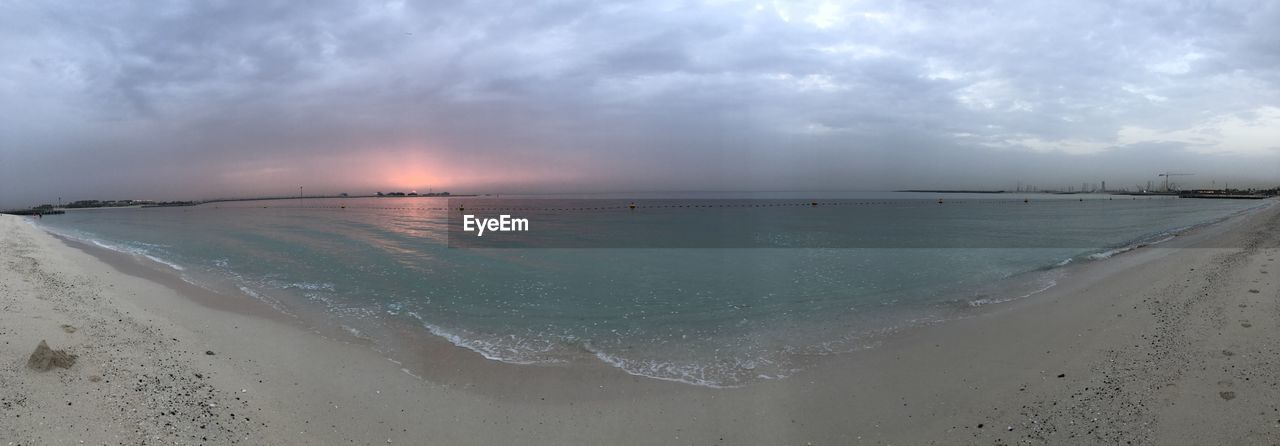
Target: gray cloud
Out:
[185,100]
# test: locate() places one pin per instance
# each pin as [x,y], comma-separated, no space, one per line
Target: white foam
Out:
[165,262]
[989,301]
[353,331]
[514,352]
[1109,253]
[261,298]
[136,252]
[310,286]
[250,292]
[666,371]
[1121,250]
[407,372]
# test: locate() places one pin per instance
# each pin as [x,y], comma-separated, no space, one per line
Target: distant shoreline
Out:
[953,191]
[310,197]
[148,204]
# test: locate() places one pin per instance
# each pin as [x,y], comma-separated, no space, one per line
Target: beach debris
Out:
[68,328]
[209,352]
[1227,395]
[45,358]
[1062,375]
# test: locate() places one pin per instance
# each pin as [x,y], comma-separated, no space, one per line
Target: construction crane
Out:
[1166,176]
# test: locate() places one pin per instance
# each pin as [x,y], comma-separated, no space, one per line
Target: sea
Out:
[707,289]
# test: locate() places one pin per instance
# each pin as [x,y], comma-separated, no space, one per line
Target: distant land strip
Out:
[954,191]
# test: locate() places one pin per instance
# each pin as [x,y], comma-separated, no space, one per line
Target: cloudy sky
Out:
[186,100]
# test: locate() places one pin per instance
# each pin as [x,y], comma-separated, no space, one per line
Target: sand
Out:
[1174,344]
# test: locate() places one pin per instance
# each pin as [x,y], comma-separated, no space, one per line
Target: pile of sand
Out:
[45,358]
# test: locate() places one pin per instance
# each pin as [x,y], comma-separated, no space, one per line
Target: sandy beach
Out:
[1172,344]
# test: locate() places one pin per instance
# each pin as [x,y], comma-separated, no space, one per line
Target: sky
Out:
[177,100]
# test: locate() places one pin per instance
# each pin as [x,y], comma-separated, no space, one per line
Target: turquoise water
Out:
[715,313]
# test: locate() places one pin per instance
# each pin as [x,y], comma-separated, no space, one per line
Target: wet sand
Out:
[1174,344]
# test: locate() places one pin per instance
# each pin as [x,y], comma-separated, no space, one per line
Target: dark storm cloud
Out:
[197,99]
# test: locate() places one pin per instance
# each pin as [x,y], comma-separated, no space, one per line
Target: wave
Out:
[992,300]
[308,286]
[714,373]
[1170,234]
[273,303]
[135,249]
[732,375]
[138,252]
[510,349]
[1151,239]
[1130,247]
